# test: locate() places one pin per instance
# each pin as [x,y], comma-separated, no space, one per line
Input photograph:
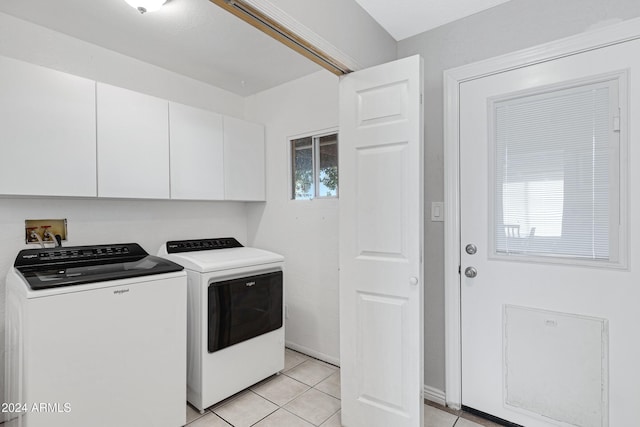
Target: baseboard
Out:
[435,395]
[312,353]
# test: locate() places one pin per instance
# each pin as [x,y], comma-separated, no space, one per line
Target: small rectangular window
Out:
[314,167]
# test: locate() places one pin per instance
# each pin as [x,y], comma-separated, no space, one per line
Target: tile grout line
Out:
[339,409]
[268,415]
[291,400]
[313,358]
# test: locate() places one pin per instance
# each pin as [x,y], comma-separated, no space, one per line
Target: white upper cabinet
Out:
[196,153]
[47,131]
[63,135]
[244,160]
[133,144]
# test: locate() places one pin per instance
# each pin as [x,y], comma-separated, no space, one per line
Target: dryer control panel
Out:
[178,246]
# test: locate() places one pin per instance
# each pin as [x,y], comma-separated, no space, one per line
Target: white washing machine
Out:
[95,336]
[235,316]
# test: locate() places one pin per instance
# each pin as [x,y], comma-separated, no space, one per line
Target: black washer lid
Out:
[76,265]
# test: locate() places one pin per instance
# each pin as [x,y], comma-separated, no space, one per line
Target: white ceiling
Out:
[406,18]
[199,39]
[195,38]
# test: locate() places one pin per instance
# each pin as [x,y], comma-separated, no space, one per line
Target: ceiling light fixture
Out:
[144,6]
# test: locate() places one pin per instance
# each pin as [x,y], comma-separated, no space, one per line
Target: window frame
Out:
[315,163]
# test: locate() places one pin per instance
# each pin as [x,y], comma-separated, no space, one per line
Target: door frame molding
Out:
[595,39]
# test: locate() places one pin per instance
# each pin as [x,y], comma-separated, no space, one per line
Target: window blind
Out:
[552,178]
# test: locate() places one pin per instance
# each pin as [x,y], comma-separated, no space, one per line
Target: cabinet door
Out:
[47,131]
[244,168]
[133,144]
[196,153]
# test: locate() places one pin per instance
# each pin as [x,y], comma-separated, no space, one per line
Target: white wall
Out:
[512,26]
[93,221]
[305,232]
[346,26]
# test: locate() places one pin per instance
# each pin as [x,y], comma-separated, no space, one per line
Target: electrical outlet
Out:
[55,227]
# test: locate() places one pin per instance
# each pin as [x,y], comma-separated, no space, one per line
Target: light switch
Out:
[437,211]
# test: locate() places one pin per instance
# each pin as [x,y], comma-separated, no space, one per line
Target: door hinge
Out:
[459,269]
[420,99]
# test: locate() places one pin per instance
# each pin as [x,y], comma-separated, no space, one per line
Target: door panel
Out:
[571,339]
[382,224]
[381,218]
[380,318]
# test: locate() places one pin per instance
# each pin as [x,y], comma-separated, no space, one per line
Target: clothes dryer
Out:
[235,316]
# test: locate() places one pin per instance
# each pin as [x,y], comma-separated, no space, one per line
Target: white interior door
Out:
[549,204]
[381,218]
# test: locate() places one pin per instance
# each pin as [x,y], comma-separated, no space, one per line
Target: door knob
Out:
[470,272]
[471,249]
[413,281]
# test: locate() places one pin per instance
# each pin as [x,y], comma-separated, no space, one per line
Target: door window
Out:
[556,184]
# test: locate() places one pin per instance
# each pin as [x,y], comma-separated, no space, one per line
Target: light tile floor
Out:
[306,394]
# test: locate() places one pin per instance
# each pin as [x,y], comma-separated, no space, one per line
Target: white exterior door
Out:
[548,198]
[381,297]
